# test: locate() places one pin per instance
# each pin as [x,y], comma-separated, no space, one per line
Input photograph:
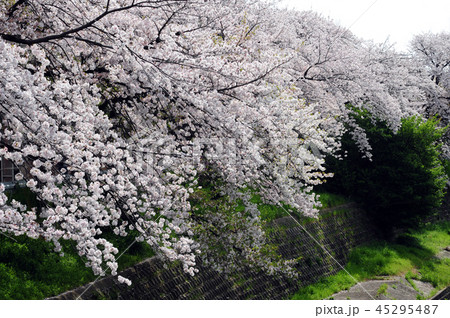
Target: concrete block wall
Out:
[337,230]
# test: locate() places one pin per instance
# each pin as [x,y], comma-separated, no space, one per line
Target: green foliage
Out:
[330,200]
[268,212]
[23,195]
[325,287]
[406,178]
[271,212]
[30,269]
[383,258]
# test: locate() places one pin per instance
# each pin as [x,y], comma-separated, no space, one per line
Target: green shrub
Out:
[405,179]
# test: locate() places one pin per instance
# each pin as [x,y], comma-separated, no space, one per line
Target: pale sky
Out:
[397,19]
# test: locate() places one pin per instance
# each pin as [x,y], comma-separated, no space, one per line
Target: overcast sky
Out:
[378,19]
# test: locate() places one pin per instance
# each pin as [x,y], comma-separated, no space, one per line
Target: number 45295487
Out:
[406,309]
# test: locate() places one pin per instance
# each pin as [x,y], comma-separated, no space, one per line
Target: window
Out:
[7,171]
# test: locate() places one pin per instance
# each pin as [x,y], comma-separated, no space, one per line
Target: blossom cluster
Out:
[113,109]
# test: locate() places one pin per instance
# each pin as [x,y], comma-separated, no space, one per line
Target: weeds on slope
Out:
[412,254]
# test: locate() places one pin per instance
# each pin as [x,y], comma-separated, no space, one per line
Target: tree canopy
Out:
[114,111]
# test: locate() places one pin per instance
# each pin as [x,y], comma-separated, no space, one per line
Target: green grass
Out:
[325,287]
[272,212]
[30,269]
[382,290]
[268,212]
[330,200]
[414,254]
[409,277]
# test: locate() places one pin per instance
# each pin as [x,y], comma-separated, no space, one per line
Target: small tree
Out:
[405,179]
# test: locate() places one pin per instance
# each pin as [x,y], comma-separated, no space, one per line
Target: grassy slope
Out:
[30,269]
[413,256]
[272,212]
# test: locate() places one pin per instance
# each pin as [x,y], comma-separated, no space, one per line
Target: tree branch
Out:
[221,90]
[66,34]
[15,6]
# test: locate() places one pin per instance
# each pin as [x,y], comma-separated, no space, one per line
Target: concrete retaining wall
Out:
[338,230]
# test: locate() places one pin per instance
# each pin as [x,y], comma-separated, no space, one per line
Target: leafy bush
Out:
[405,179]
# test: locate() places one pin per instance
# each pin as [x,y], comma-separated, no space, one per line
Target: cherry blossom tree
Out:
[431,52]
[116,110]
[333,68]
[111,109]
